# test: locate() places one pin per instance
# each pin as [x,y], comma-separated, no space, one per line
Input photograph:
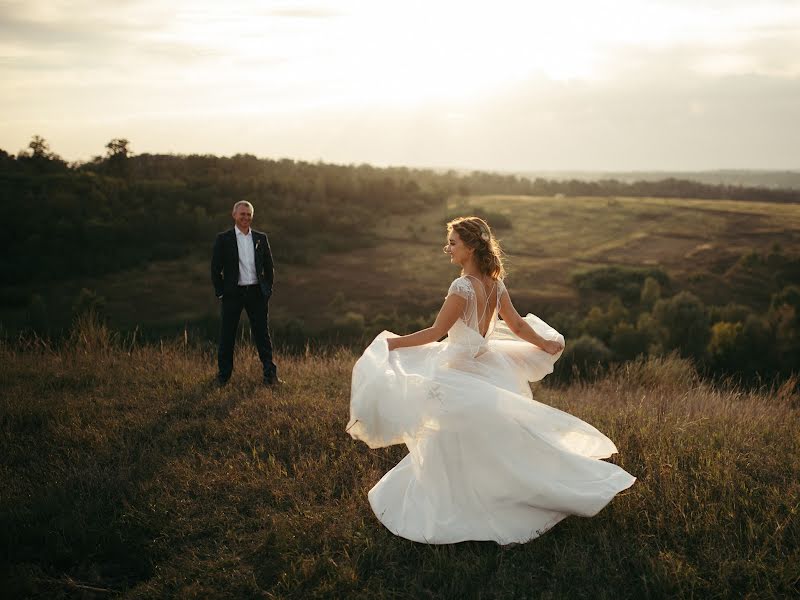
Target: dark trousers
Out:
[252,299]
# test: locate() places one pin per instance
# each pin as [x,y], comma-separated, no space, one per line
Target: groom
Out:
[241,271]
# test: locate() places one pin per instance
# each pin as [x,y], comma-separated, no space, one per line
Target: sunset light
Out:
[329,79]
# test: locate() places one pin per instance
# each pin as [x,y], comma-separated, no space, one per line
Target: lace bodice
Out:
[466,330]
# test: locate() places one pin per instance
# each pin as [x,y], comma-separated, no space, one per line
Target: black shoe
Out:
[222,381]
[273,381]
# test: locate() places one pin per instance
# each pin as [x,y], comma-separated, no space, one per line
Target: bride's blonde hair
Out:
[476,234]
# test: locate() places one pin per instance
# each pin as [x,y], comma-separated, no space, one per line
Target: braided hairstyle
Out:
[476,234]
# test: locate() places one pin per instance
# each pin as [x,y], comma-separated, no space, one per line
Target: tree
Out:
[596,324]
[758,341]
[40,156]
[616,311]
[685,324]
[651,293]
[725,349]
[627,342]
[599,323]
[39,148]
[785,316]
[118,149]
[731,312]
[584,357]
[652,330]
[117,154]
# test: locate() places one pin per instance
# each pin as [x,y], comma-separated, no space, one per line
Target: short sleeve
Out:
[461,287]
[501,288]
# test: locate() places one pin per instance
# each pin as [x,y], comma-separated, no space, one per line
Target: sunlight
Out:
[376,53]
[451,51]
[435,81]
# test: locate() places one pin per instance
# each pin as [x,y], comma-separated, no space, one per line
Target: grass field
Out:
[125,473]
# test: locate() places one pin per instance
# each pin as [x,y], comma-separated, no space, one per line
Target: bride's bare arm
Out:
[452,308]
[521,329]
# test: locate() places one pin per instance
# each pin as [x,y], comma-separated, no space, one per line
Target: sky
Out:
[503,85]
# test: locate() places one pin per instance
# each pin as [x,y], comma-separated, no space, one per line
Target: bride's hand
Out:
[551,346]
[390,343]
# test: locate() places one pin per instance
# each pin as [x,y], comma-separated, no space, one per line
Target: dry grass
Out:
[125,472]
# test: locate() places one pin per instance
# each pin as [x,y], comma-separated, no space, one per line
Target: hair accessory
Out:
[485,236]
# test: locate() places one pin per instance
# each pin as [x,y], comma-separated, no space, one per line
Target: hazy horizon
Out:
[511,86]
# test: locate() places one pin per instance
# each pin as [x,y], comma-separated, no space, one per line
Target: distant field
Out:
[695,241]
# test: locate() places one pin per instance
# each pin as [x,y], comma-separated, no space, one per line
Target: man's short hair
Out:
[246,203]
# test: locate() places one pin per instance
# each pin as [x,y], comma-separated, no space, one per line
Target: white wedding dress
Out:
[485,461]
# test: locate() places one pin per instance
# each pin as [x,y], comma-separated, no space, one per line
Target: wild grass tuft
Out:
[125,471]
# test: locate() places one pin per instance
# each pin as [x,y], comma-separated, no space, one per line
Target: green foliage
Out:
[38,161]
[744,349]
[654,332]
[789,297]
[39,148]
[626,282]
[685,323]
[628,342]
[568,323]
[731,313]
[96,223]
[117,155]
[586,357]
[757,342]
[725,347]
[125,210]
[785,317]
[600,324]
[350,325]
[651,292]
[596,324]
[291,334]
[760,276]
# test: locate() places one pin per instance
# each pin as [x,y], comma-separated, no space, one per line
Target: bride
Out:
[485,461]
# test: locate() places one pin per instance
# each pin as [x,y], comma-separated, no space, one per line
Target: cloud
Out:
[533,85]
[309,12]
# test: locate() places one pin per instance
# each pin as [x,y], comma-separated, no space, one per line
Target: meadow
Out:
[404,273]
[126,473]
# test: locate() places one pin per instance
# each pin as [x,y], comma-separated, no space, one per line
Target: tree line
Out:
[121,209]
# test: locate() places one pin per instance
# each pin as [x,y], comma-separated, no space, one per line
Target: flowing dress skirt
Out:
[485,461]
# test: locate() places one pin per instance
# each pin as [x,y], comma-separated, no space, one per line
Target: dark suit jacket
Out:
[225,262]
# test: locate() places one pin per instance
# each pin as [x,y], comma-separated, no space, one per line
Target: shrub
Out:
[731,312]
[651,293]
[351,324]
[585,357]
[614,279]
[685,324]
[627,342]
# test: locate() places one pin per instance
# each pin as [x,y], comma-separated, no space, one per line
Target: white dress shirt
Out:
[247,257]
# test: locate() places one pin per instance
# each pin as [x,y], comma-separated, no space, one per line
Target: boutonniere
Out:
[257,243]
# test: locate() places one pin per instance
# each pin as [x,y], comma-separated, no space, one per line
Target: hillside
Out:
[623,269]
[745,177]
[125,472]
[697,242]
[402,274]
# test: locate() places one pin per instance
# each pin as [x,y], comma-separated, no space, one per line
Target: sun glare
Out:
[445,52]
